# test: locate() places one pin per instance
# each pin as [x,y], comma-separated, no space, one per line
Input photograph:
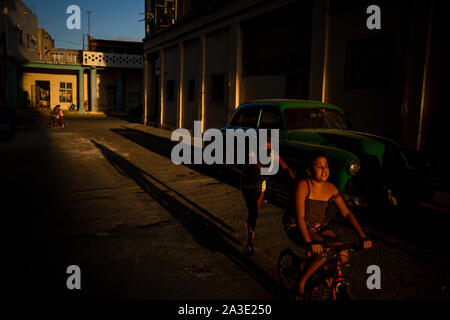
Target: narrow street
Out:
[103,194]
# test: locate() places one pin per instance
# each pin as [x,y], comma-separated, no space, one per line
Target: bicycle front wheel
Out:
[343,292]
[318,289]
[290,267]
[319,292]
[48,123]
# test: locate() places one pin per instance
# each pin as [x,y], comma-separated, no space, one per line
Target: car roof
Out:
[292,103]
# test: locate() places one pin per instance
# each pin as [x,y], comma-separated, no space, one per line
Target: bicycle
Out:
[53,122]
[323,284]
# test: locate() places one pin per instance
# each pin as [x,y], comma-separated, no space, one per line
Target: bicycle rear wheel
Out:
[48,123]
[290,267]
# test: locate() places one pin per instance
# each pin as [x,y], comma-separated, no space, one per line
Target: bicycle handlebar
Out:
[354,246]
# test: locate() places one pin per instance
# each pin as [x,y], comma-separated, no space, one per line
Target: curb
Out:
[161,133]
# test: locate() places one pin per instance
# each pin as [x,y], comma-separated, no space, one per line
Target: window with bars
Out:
[65,92]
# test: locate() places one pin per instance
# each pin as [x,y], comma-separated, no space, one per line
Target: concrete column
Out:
[81,91]
[426,85]
[180,87]
[235,66]
[146,91]
[162,79]
[152,102]
[93,79]
[120,89]
[317,80]
[415,55]
[202,113]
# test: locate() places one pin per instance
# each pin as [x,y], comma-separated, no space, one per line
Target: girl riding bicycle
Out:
[57,116]
[314,197]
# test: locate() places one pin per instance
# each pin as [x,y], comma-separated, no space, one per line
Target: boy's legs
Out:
[253,199]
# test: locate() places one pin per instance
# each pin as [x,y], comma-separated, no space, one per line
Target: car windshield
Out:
[335,119]
[301,118]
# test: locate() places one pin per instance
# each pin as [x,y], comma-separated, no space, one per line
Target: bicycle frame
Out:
[335,279]
[56,122]
[338,281]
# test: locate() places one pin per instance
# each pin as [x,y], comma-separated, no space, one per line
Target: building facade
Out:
[18,43]
[117,67]
[106,78]
[87,81]
[204,58]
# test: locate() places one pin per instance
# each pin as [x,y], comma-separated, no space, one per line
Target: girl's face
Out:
[320,171]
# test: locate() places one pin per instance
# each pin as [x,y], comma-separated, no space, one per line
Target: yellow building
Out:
[85,81]
[44,89]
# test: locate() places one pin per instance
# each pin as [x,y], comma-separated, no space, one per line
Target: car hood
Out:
[358,143]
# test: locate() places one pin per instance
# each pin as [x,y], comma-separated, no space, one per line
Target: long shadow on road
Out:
[163,147]
[207,233]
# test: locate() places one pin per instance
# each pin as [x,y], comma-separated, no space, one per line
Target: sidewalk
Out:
[158,132]
[166,134]
[440,201]
[46,111]
[78,114]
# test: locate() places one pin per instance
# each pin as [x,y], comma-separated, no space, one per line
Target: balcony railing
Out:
[116,60]
[62,56]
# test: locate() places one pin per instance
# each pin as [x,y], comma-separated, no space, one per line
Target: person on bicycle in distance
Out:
[58,116]
[313,196]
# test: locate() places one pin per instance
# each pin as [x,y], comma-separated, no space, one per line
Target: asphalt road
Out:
[106,197]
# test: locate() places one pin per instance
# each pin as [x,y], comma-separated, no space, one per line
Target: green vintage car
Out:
[365,167]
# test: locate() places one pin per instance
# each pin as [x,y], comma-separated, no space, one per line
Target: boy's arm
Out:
[300,196]
[284,166]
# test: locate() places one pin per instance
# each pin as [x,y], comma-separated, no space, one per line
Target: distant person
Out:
[253,186]
[57,116]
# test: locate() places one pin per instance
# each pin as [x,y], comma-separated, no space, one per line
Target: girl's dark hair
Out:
[312,156]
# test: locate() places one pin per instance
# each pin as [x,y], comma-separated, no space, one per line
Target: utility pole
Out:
[89,22]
